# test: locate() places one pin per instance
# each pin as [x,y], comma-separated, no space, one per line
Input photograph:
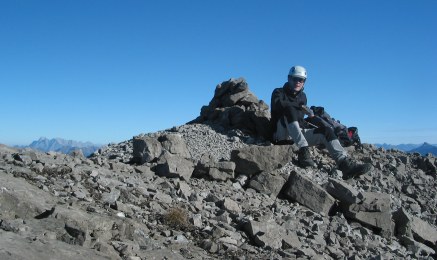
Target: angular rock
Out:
[20,199]
[145,149]
[419,249]
[413,227]
[222,171]
[255,159]
[25,158]
[184,190]
[163,197]
[343,191]
[230,205]
[265,234]
[120,167]
[374,212]
[209,245]
[290,240]
[208,167]
[111,198]
[175,144]
[223,216]
[196,220]
[203,165]
[375,201]
[174,166]
[268,182]
[308,193]
[234,106]
[427,164]
[14,246]
[74,235]
[381,221]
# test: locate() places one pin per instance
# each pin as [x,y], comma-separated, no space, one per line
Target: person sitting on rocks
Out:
[288,109]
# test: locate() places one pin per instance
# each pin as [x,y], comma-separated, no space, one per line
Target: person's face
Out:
[296,83]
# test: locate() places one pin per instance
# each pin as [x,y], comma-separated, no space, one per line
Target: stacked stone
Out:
[234,106]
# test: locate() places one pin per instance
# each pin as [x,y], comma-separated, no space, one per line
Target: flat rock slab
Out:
[265,234]
[342,191]
[13,246]
[308,193]
[174,166]
[18,197]
[414,227]
[256,159]
[269,183]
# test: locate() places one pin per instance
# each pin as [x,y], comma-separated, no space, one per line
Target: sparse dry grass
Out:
[176,218]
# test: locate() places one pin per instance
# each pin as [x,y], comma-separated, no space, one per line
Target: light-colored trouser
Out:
[307,137]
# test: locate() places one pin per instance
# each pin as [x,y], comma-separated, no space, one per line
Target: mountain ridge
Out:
[423,148]
[62,145]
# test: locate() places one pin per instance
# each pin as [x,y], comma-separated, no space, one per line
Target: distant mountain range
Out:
[423,149]
[63,146]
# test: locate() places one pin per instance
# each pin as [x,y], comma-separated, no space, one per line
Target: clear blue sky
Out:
[104,71]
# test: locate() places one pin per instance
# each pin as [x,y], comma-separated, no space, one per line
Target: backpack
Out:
[346,136]
[353,135]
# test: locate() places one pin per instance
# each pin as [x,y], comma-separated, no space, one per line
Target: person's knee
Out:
[328,132]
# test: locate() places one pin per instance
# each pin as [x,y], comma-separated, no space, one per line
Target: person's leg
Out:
[304,156]
[281,134]
[326,136]
[296,134]
[286,130]
[288,127]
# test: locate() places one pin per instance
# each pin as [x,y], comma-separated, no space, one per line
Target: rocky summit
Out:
[215,188]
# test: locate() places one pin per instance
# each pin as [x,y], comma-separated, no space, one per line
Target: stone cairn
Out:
[234,106]
[177,194]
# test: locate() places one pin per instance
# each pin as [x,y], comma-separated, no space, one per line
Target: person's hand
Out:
[307,111]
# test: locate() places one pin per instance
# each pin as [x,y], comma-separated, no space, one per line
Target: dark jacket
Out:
[285,103]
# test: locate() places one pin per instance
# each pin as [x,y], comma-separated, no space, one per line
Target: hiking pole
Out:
[307,111]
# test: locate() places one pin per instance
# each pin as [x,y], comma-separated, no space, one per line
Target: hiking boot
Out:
[304,158]
[353,169]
